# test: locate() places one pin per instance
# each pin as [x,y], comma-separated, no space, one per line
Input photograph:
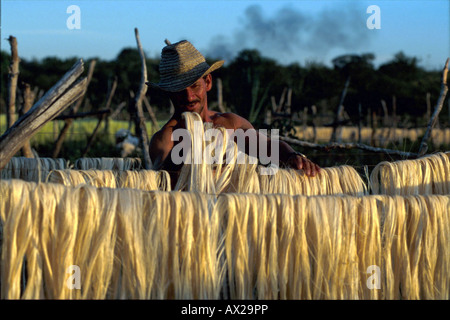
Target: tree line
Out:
[251,81]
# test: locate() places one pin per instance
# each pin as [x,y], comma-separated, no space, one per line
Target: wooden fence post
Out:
[141,129]
[359,123]
[151,113]
[13,76]
[101,118]
[335,134]
[220,96]
[281,102]
[394,117]
[108,104]
[373,125]
[28,99]
[289,103]
[444,88]
[305,121]
[314,123]
[385,123]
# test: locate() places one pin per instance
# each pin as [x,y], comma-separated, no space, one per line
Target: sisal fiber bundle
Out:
[147,180]
[234,171]
[118,164]
[134,244]
[331,247]
[167,247]
[330,181]
[97,178]
[427,175]
[126,243]
[299,248]
[197,173]
[33,233]
[31,169]
[244,178]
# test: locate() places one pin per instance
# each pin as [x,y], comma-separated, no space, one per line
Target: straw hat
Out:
[181,65]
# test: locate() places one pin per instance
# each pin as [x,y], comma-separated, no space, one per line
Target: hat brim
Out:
[183,81]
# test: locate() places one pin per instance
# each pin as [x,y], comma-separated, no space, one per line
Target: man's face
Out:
[194,97]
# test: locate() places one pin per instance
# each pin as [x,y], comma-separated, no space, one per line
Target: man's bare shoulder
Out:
[231,121]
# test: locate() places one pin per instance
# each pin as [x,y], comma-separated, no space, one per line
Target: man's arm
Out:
[159,149]
[287,154]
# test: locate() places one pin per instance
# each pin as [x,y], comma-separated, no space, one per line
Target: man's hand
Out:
[296,161]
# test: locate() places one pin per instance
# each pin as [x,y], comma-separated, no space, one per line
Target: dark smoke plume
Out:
[289,31]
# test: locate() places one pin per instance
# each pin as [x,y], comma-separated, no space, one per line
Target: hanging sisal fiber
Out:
[37,169]
[97,178]
[427,175]
[118,164]
[344,180]
[243,179]
[323,247]
[147,180]
[128,244]
[133,244]
[216,178]
[235,172]
[31,169]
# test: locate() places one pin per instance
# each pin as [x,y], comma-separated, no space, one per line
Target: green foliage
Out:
[250,80]
[4,65]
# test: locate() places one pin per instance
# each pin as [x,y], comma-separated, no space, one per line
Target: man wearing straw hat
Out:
[186,77]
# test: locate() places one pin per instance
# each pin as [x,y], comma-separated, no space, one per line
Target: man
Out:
[186,78]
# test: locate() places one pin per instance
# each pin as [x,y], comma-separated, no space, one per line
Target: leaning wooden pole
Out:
[93,135]
[68,122]
[141,129]
[102,117]
[57,99]
[220,96]
[347,146]
[151,113]
[433,120]
[13,76]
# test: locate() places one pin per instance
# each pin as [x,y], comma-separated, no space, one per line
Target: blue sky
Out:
[288,31]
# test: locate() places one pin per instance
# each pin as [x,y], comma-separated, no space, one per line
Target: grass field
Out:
[80,128]
[381,137]
[104,144]
[76,140]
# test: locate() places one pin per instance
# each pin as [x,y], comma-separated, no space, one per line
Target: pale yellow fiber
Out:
[37,169]
[143,179]
[427,175]
[135,244]
[117,164]
[31,169]
[237,173]
[127,243]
